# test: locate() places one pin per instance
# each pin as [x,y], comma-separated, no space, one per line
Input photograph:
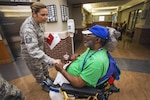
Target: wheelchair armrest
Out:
[84,90]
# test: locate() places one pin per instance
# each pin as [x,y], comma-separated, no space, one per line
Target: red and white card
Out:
[53,39]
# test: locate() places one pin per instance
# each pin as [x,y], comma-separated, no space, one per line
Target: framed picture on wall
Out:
[52,13]
[64,13]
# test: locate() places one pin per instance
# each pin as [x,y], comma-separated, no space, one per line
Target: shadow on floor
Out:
[14,70]
[134,65]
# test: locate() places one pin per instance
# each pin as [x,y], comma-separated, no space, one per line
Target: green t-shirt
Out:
[95,67]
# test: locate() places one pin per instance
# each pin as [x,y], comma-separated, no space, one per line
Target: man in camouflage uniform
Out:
[32,43]
[9,92]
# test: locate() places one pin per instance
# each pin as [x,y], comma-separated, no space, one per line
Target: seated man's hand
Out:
[74,56]
[59,66]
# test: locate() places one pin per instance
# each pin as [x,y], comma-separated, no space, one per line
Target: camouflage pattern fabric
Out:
[9,92]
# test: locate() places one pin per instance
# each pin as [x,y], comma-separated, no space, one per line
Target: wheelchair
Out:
[101,92]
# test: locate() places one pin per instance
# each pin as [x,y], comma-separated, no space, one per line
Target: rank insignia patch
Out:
[28,39]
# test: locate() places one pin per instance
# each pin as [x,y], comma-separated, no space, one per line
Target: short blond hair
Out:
[36,6]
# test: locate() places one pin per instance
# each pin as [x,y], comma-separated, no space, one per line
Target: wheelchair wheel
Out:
[102,97]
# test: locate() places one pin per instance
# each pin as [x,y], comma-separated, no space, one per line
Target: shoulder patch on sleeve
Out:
[28,39]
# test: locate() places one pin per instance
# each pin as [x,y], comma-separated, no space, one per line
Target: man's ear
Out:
[97,40]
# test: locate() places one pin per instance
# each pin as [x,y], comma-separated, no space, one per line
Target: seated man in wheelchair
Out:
[90,69]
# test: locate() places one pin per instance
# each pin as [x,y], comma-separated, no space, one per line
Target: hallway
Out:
[133,60]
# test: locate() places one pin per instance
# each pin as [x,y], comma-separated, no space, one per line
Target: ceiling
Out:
[105,7]
[97,7]
[89,1]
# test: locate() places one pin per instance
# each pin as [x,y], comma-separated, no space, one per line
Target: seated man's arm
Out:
[74,80]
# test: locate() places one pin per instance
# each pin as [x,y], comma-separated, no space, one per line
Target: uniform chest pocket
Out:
[40,37]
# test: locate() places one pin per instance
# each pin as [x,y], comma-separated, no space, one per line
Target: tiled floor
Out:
[133,59]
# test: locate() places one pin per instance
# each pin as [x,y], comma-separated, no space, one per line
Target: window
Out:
[134,17]
[101,18]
